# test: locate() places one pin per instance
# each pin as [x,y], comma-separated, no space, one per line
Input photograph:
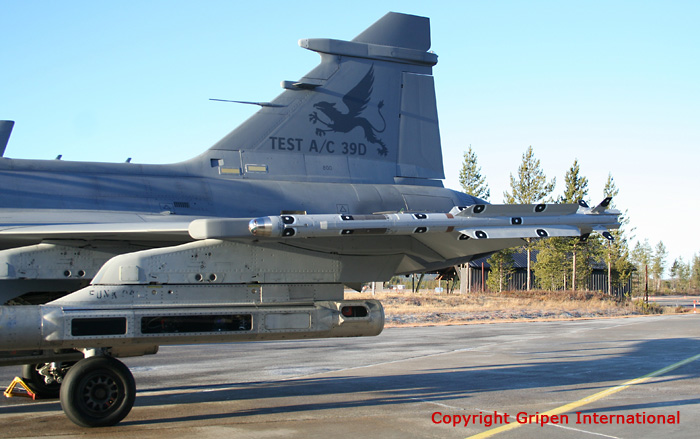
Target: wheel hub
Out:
[100,393]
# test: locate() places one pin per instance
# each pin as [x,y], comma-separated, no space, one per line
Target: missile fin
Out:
[602,206]
[605,232]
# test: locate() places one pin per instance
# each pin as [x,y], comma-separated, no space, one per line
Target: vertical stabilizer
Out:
[5,131]
[366,114]
[409,31]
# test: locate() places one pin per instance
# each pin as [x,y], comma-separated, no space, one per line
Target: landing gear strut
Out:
[37,382]
[45,378]
[98,392]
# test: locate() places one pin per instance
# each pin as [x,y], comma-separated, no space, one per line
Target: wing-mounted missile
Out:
[345,225]
[600,209]
[478,221]
[501,221]
[539,220]
[515,210]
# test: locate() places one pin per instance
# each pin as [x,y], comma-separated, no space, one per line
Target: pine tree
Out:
[680,273]
[620,266]
[642,254]
[575,185]
[530,187]
[502,266]
[531,184]
[470,177]
[617,255]
[695,273]
[575,189]
[674,271]
[553,265]
[658,263]
[610,189]
[562,258]
[641,257]
[684,276]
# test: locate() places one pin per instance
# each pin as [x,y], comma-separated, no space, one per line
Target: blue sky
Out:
[614,84]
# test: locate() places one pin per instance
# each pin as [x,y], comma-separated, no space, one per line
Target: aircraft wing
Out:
[366,246]
[476,222]
[41,225]
[47,253]
[425,241]
[121,231]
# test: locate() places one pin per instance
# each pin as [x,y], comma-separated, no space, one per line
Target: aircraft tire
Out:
[35,381]
[98,392]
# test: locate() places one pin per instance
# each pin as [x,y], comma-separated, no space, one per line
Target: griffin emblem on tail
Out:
[356,101]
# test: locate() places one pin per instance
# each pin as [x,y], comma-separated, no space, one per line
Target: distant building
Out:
[518,279]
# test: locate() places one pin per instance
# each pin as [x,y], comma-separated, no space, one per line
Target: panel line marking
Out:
[589,399]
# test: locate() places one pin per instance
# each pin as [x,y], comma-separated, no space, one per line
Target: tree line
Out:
[567,263]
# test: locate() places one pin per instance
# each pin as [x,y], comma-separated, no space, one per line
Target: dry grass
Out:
[411,309]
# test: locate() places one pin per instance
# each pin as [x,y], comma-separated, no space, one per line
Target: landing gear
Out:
[98,392]
[45,378]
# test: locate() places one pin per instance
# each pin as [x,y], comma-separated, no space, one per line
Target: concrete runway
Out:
[406,382]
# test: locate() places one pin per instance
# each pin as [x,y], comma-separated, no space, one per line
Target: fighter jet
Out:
[335,182]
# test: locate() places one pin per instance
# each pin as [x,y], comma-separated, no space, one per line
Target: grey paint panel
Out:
[420,153]
[428,203]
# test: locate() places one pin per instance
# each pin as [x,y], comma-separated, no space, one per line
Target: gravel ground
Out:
[486,316]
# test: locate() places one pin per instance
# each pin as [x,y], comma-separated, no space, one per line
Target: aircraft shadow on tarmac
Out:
[549,370]
[438,385]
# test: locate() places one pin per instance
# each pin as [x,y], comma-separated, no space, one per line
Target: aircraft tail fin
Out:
[5,131]
[367,114]
[398,30]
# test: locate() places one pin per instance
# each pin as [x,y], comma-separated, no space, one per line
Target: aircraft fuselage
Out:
[188,190]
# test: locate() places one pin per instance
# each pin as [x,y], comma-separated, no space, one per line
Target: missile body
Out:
[476,222]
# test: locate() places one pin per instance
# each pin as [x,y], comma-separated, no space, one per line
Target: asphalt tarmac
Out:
[413,382]
[692,302]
